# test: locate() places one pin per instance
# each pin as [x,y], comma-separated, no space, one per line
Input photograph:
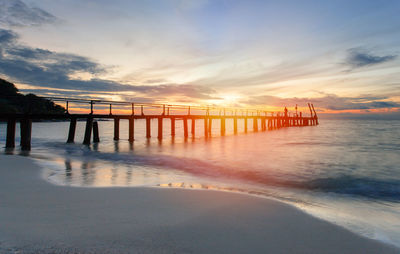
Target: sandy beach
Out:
[38,217]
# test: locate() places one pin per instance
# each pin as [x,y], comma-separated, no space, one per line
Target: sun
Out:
[229,99]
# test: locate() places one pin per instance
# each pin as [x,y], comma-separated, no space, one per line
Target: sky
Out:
[341,55]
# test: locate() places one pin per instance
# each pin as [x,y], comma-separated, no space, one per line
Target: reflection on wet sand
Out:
[116,146]
[104,174]
[128,177]
[68,170]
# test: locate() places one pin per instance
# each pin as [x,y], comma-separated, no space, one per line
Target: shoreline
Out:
[38,216]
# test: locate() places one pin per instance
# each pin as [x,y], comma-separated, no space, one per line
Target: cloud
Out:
[7,36]
[48,69]
[193,91]
[17,13]
[359,58]
[328,101]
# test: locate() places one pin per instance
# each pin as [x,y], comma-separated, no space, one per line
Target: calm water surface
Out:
[343,171]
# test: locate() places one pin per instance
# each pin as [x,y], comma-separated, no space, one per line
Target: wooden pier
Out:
[262,120]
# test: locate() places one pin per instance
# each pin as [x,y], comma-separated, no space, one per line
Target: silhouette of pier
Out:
[262,120]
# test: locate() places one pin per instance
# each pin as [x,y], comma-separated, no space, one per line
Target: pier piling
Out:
[205,127]
[185,127]
[193,129]
[26,133]
[255,124]
[160,127]
[71,132]
[148,127]
[173,126]
[96,137]
[10,142]
[222,126]
[131,130]
[210,120]
[88,131]
[235,128]
[116,128]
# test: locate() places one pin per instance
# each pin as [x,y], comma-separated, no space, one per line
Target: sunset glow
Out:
[226,53]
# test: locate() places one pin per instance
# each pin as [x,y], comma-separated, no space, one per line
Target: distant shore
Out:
[38,217]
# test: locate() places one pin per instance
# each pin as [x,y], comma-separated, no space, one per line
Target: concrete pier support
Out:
[160,127]
[210,120]
[222,126]
[255,124]
[26,134]
[235,129]
[185,127]
[10,141]
[206,127]
[131,129]
[148,127]
[88,131]
[96,137]
[193,129]
[173,126]
[263,124]
[116,128]
[71,132]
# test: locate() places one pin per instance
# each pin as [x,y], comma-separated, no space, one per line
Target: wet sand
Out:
[39,217]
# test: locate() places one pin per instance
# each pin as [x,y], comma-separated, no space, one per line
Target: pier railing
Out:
[143,108]
[92,109]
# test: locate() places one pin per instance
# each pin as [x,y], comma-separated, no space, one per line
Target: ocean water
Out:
[343,171]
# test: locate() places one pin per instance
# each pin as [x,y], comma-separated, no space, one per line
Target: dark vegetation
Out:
[11,101]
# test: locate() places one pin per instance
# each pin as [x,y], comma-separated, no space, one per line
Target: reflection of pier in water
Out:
[261,120]
[90,173]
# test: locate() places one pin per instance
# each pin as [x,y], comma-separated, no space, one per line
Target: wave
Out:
[380,189]
[354,185]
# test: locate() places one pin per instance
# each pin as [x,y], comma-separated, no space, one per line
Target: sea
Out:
[346,172]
